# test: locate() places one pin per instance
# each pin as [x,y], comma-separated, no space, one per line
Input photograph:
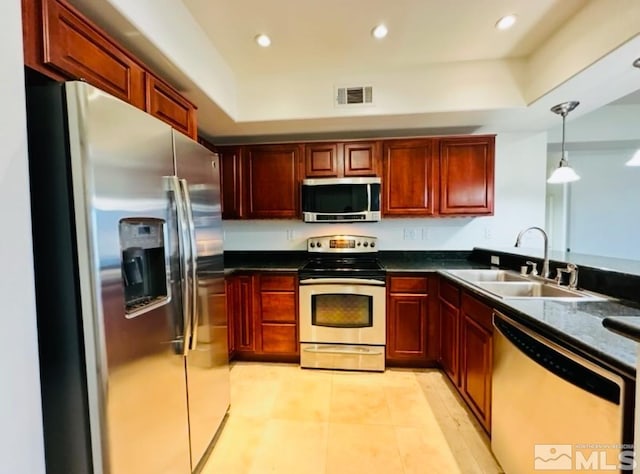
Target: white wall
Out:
[21,445]
[519,202]
[604,217]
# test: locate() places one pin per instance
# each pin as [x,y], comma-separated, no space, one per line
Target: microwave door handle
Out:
[192,282]
[184,261]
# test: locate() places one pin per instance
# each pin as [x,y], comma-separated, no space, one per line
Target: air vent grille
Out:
[354,95]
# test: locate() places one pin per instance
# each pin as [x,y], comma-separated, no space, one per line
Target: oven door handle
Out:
[341,281]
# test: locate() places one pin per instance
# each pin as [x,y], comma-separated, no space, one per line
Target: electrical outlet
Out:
[495,260]
[487,233]
[291,234]
[426,233]
[410,234]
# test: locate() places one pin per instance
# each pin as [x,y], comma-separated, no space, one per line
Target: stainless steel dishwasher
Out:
[552,410]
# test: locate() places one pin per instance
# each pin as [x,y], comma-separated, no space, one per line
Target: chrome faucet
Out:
[545,264]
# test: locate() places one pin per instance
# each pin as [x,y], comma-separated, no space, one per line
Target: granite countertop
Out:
[576,325]
[625,326]
[580,326]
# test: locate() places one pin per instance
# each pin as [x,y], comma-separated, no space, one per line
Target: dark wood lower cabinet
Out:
[411,334]
[476,347]
[262,308]
[466,349]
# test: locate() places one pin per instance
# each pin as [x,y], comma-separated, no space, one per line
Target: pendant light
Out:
[635,159]
[563,173]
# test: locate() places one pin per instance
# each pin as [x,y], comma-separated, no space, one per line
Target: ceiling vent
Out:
[354,95]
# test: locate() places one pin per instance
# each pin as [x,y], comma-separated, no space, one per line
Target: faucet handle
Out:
[534,265]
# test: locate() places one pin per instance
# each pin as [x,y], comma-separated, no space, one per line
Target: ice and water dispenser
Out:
[144,271]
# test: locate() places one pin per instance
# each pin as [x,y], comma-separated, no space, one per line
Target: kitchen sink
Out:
[488,275]
[533,289]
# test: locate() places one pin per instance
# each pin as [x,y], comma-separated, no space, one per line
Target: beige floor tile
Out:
[408,406]
[291,447]
[254,398]
[235,449]
[302,398]
[358,449]
[399,421]
[422,452]
[358,403]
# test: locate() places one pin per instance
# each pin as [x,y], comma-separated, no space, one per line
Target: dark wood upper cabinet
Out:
[321,160]
[342,159]
[466,175]
[77,49]
[166,104]
[272,182]
[231,182]
[63,44]
[361,158]
[409,177]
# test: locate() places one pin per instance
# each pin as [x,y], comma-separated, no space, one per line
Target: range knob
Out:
[312,245]
[373,244]
[319,244]
[359,243]
[366,244]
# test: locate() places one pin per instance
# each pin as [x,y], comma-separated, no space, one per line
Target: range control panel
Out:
[342,244]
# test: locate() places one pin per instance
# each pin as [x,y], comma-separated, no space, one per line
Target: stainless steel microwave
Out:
[341,200]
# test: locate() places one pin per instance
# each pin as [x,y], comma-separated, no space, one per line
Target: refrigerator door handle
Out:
[194,262]
[184,245]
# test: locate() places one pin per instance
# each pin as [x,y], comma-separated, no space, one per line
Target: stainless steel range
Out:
[342,304]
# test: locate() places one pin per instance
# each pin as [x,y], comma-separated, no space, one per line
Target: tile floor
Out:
[287,420]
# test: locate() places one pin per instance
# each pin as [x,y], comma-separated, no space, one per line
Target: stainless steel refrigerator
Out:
[129,285]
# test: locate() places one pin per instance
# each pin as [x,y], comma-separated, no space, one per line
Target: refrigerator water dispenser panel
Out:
[144,270]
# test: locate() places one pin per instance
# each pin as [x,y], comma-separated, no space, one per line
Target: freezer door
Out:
[207,360]
[121,158]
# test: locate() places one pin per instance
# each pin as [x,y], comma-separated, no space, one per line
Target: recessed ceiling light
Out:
[506,22]
[263,40]
[379,31]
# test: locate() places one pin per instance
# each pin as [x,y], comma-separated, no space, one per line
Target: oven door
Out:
[342,311]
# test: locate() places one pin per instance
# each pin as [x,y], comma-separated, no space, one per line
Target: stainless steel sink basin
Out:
[534,289]
[488,275]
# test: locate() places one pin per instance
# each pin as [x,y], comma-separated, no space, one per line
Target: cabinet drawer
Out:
[449,292]
[278,307]
[73,47]
[169,106]
[477,311]
[278,282]
[408,284]
[279,339]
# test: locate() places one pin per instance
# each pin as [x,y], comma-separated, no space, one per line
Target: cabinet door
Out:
[243,313]
[361,158]
[321,160]
[449,340]
[466,176]
[272,183]
[409,178]
[407,327]
[230,182]
[278,314]
[231,302]
[476,368]
[166,104]
[72,46]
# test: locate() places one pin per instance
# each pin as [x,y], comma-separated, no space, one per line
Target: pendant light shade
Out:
[563,173]
[635,159]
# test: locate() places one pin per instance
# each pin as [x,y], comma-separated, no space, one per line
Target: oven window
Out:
[342,310]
